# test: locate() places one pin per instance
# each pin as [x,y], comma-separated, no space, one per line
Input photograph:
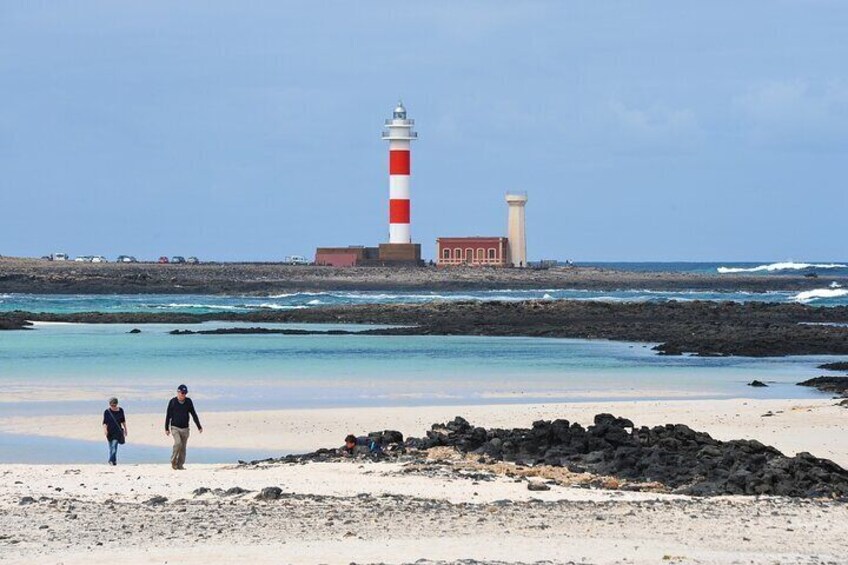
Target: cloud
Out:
[655,122]
[795,112]
[657,128]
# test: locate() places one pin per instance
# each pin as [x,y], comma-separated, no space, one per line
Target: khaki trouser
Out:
[178,455]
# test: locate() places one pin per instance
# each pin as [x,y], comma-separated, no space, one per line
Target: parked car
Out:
[296,260]
[193,261]
[163,259]
[83,259]
[126,259]
[99,259]
[178,259]
[59,257]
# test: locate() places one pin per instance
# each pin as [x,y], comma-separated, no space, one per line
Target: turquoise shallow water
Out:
[73,368]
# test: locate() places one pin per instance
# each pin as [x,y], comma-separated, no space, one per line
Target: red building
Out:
[479,251]
[386,255]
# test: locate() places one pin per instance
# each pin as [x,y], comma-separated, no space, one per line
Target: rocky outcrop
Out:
[55,277]
[14,323]
[839,366]
[681,459]
[260,331]
[685,460]
[702,328]
[833,385]
[758,384]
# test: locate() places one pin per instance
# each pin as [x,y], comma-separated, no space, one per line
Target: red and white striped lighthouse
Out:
[399,133]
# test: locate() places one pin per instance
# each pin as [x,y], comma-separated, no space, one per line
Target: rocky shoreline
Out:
[49,277]
[833,385]
[701,328]
[673,458]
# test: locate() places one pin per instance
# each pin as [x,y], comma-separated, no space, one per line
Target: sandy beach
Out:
[397,512]
[794,426]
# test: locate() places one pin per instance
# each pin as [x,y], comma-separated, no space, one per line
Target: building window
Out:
[469,254]
[457,254]
[480,254]
[491,253]
[445,253]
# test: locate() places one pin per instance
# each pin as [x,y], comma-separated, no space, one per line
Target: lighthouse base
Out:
[400,253]
[388,254]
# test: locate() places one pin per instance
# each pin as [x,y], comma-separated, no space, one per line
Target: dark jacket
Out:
[177,414]
[364,445]
[112,421]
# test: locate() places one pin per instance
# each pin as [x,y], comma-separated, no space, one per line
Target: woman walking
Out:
[115,428]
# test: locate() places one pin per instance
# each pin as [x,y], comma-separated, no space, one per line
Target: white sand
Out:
[797,425]
[366,512]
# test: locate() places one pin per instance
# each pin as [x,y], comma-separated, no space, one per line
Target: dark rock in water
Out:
[14,323]
[835,385]
[269,493]
[260,331]
[757,383]
[156,501]
[838,366]
[134,331]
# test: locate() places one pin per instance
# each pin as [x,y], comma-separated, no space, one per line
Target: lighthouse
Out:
[399,134]
[399,251]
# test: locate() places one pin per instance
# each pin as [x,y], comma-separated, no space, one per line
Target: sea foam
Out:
[820,293]
[786,266]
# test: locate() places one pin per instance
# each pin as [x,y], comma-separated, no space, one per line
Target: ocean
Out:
[821,268]
[829,293]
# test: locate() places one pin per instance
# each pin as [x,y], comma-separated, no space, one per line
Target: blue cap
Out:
[182,388]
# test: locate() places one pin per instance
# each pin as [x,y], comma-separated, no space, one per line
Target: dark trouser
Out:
[113,451]
[178,455]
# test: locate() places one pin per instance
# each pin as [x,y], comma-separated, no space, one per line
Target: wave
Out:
[786,266]
[820,293]
[204,306]
[272,306]
[291,294]
[834,284]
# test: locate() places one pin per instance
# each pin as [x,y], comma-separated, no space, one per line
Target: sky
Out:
[641,131]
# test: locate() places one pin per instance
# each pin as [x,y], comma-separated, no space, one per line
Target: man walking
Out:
[176,424]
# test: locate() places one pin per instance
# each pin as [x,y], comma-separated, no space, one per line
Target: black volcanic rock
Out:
[682,459]
[839,366]
[701,328]
[685,460]
[260,331]
[756,383]
[835,385]
[14,323]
